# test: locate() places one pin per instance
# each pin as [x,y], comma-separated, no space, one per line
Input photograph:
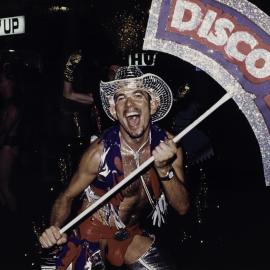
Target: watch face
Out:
[171,174]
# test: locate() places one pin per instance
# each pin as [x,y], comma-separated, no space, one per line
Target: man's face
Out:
[133,111]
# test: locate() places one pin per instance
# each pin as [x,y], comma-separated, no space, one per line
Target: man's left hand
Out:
[164,155]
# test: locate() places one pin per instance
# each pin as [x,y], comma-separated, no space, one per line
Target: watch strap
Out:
[169,176]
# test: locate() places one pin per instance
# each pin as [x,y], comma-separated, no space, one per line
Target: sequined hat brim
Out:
[152,84]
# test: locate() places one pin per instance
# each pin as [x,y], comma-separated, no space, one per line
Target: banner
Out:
[229,40]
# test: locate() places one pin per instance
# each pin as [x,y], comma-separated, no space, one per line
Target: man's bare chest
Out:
[130,161]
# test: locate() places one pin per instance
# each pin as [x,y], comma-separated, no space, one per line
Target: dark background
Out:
[228,226]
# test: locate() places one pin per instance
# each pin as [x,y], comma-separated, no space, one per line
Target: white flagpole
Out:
[145,164]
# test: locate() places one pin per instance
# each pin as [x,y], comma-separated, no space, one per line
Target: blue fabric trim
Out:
[111,140]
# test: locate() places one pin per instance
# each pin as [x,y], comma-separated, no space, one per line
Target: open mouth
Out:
[133,119]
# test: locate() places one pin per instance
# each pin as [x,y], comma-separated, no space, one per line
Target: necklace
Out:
[136,155]
[160,207]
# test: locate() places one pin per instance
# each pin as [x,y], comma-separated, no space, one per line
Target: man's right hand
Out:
[51,236]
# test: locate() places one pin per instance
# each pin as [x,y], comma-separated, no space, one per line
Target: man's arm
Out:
[85,174]
[170,159]
[69,93]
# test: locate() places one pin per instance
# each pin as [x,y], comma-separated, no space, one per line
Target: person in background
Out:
[10,119]
[114,233]
[79,121]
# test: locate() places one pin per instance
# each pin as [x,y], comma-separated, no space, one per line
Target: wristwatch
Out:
[169,175]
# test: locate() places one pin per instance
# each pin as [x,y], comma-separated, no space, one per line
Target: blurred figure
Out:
[10,118]
[78,100]
[79,121]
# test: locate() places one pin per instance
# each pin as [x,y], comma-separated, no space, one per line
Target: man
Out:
[135,100]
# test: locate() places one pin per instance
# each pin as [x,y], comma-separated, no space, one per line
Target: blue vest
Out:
[111,142]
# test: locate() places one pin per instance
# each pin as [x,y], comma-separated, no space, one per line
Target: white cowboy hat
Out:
[132,77]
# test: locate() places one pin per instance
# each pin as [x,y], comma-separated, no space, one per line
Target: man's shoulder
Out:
[91,158]
[95,149]
[110,136]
